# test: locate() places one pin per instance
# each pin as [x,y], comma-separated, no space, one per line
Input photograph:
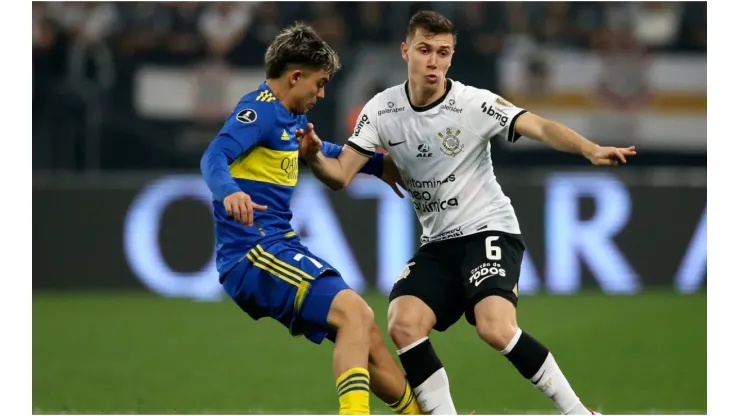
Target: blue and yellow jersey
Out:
[256,152]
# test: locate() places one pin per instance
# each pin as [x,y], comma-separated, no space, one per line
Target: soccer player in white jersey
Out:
[437,132]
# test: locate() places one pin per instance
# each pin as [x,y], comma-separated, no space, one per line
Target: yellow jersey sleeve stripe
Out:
[267,261]
[284,264]
[271,271]
[261,164]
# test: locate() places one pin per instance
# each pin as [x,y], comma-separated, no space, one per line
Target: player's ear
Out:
[405,51]
[295,77]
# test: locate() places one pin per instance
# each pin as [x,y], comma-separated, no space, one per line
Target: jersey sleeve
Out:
[243,130]
[365,138]
[495,116]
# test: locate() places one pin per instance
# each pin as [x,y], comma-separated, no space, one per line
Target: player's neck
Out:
[421,97]
[280,92]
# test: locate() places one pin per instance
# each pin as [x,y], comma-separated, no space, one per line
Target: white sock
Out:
[433,394]
[553,384]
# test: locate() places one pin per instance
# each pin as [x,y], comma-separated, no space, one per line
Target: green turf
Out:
[136,353]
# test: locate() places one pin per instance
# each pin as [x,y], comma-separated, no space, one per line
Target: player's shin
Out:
[537,364]
[387,380]
[410,321]
[353,321]
[496,324]
[427,377]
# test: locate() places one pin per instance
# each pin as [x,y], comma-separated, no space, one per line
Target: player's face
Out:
[308,88]
[429,57]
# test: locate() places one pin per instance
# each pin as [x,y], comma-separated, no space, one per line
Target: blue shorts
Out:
[284,281]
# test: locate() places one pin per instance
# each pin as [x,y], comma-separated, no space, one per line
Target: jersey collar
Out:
[438,101]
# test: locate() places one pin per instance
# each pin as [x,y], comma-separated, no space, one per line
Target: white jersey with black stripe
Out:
[443,152]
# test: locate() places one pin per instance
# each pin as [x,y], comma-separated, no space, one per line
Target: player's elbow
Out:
[337,184]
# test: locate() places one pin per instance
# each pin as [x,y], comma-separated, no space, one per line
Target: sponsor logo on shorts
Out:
[484,271]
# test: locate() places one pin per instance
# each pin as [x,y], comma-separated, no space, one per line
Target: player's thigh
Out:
[429,279]
[491,266]
[293,286]
[260,292]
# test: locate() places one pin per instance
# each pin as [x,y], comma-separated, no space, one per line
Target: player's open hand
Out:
[240,206]
[611,156]
[309,143]
[392,176]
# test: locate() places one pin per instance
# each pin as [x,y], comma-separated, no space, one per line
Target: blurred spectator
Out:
[224,25]
[88,56]
[693,28]
[142,26]
[656,24]
[183,43]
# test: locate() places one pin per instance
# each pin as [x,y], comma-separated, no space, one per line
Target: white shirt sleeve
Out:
[365,138]
[493,116]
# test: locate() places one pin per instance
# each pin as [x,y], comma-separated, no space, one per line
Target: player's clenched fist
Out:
[240,206]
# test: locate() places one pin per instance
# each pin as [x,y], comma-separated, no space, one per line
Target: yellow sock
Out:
[353,389]
[407,405]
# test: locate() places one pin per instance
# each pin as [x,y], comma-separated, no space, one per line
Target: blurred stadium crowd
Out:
[86,56]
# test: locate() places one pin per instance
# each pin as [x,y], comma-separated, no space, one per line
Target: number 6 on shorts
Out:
[492,252]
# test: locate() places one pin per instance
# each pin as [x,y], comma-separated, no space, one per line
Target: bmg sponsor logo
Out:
[497,115]
[364,120]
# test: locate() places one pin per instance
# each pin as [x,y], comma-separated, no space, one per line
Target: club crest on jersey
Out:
[451,145]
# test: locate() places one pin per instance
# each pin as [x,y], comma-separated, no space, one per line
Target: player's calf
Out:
[387,380]
[353,320]
[495,319]
[410,321]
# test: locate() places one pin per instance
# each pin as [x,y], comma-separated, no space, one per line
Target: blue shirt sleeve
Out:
[243,130]
[374,165]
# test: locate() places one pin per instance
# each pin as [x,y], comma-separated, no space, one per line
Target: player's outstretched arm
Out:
[565,139]
[337,171]
[379,164]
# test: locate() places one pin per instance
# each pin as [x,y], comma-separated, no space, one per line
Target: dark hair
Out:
[430,22]
[299,45]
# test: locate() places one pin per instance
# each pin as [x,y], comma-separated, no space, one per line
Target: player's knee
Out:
[350,310]
[496,332]
[407,324]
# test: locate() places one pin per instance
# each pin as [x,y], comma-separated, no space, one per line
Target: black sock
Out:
[527,355]
[420,362]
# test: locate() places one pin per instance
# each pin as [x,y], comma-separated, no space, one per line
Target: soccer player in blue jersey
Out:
[252,168]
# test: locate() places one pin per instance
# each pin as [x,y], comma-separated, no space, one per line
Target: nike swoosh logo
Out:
[538,380]
[477,282]
[395,144]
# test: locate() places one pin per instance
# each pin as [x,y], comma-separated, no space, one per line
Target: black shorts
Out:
[452,276]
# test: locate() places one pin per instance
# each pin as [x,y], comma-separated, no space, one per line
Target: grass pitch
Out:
[137,353]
